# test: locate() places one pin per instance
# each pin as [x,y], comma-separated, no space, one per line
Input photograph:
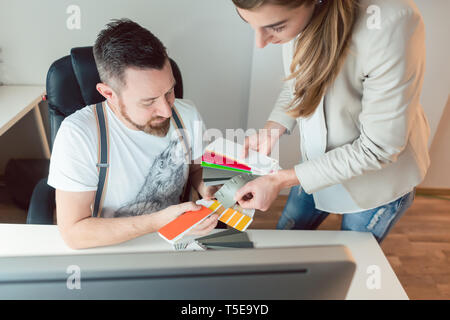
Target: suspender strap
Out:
[103,157]
[181,133]
[178,122]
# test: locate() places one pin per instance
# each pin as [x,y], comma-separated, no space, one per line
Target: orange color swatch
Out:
[175,229]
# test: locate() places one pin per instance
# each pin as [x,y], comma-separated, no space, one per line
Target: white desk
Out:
[16,102]
[32,240]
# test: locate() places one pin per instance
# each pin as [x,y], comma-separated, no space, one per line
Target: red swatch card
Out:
[175,229]
[214,158]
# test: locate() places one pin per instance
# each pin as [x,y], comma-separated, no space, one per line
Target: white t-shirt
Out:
[146,174]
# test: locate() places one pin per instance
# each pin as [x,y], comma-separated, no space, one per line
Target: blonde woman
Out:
[354,76]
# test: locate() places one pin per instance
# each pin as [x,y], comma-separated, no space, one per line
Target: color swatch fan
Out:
[177,228]
[235,216]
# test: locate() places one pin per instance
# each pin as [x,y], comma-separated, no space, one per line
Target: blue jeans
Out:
[300,213]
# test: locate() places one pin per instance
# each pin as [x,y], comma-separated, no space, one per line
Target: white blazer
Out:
[376,135]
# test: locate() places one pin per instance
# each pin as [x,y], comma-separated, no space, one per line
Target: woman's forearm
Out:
[276,129]
[286,178]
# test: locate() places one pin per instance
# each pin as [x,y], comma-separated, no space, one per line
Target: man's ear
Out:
[106,91]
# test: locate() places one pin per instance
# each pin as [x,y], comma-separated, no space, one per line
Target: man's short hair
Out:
[122,44]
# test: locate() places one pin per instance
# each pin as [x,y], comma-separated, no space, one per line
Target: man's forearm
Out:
[95,232]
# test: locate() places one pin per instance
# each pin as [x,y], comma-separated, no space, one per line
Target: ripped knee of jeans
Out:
[375,218]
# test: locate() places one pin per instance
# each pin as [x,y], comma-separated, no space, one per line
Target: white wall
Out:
[436,86]
[267,72]
[438,176]
[211,44]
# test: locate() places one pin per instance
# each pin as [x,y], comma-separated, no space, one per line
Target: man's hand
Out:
[170,213]
[206,226]
[207,192]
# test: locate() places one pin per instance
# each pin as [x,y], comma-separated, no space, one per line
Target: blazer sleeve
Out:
[394,60]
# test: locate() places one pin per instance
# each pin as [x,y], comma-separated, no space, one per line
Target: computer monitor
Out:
[314,272]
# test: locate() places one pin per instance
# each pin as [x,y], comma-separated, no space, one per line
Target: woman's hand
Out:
[259,193]
[265,139]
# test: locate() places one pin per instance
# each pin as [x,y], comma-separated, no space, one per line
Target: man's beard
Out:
[159,129]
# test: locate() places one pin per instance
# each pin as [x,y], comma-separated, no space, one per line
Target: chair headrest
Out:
[85,70]
[71,81]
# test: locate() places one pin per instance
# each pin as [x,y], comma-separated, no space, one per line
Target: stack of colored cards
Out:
[227,239]
[226,155]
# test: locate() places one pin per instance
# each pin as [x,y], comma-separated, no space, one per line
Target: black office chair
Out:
[70,86]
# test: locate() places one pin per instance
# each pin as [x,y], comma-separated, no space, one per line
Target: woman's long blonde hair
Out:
[320,49]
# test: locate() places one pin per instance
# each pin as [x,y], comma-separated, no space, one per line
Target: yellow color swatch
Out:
[227,215]
[215,205]
[234,219]
[231,217]
[243,223]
